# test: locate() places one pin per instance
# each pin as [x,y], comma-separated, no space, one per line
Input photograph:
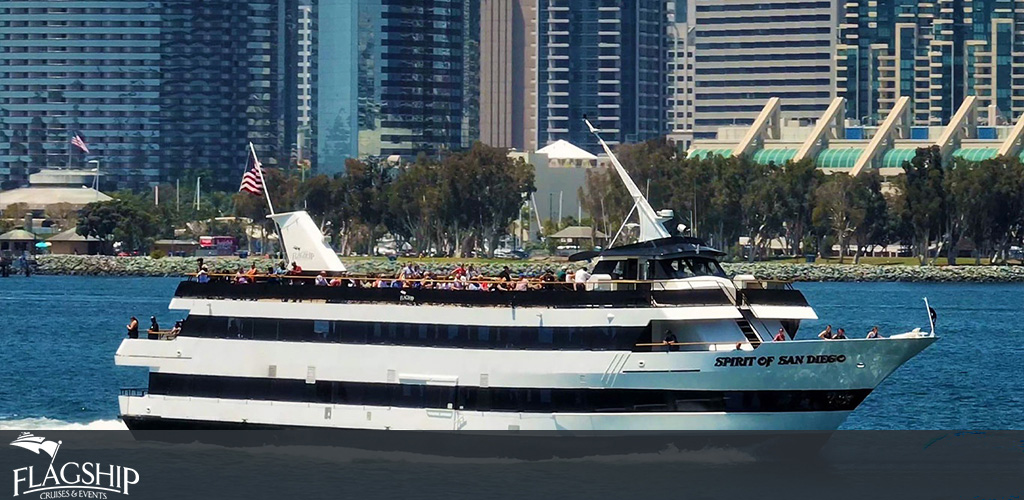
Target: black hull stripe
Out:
[619,338]
[527,400]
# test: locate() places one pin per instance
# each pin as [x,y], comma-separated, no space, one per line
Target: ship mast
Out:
[652,226]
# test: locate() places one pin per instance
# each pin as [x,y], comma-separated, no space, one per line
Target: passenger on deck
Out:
[523,284]
[240,277]
[280,269]
[505,278]
[133,328]
[472,272]
[840,335]
[781,336]
[459,272]
[873,334]
[321,279]
[295,270]
[272,276]
[154,328]
[175,331]
[826,333]
[581,278]
[251,273]
[563,274]
[670,340]
[204,275]
[199,264]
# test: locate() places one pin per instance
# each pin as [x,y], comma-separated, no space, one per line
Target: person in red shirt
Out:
[781,336]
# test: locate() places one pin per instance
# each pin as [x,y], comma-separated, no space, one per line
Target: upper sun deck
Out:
[484,291]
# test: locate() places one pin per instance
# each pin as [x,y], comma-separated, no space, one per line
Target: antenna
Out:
[651,227]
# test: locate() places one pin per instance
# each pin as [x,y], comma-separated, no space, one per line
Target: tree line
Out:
[933,209]
[447,206]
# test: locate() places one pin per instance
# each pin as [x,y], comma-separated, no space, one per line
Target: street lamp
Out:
[96,177]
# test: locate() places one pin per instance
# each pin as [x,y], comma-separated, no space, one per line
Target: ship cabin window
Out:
[685,267]
[625,269]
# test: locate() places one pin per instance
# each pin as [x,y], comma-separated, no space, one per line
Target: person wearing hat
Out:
[154,328]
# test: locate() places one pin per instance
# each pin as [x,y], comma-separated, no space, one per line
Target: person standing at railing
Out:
[581,278]
[203,276]
[133,328]
[154,329]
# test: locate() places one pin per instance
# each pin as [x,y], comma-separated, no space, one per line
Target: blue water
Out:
[58,335]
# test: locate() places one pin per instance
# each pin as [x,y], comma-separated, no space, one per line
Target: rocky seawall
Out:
[90,265]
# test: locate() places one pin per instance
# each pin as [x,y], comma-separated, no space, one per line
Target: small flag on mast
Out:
[77,142]
[252,181]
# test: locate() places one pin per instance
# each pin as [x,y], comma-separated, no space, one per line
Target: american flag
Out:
[252,181]
[77,142]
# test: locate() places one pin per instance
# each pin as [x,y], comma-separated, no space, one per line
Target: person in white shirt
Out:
[321,279]
[581,277]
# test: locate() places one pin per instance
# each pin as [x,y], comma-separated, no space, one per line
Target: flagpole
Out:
[263,181]
[69,154]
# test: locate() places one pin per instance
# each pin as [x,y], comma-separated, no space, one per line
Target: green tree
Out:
[836,208]
[922,198]
[118,220]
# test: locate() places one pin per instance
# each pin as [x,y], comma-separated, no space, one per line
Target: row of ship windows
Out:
[471,398]
[426,335]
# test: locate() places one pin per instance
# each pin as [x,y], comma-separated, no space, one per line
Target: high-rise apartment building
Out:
[392,78]
[508,73]
[745,52]
[158,90]
[306,71]
[68,68]
[604,59]
[680,71]
[935,53]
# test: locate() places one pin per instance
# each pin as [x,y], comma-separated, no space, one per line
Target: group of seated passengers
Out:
[410,276]
[460,278]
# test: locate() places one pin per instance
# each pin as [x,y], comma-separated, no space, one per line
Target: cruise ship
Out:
[657,339]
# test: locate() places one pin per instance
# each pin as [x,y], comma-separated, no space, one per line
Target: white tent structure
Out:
[563,153]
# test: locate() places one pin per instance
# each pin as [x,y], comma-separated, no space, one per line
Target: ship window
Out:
[322,328]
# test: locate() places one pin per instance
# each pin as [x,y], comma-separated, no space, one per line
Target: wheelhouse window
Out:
[687,267]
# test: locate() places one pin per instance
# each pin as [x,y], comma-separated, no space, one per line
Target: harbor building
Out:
[157,91]
[934,53]
[392,78]
[744,52]
[606,60]
[836,144]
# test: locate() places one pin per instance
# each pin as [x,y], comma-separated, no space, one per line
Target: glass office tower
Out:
[392,78]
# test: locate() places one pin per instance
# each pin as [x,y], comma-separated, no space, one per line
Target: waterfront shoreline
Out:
[92,265]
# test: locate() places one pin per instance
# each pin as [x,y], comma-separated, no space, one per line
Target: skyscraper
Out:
[508,73]
[226,80]
[392,78]
[935,53]
[604,59]
[747,52]
[158,90]
[91,68]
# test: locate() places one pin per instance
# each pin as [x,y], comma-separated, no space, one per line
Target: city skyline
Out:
[177,89]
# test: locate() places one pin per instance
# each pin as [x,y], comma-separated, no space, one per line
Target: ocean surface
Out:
[58,335]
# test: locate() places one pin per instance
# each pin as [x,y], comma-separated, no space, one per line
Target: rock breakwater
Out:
[92,265]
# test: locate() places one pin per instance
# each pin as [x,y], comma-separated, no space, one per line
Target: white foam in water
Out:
[49,424]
